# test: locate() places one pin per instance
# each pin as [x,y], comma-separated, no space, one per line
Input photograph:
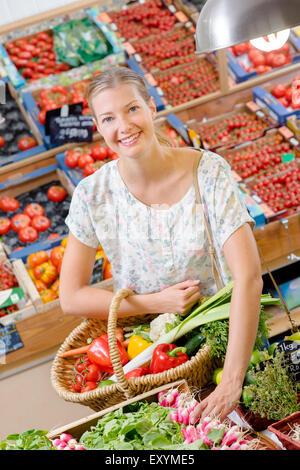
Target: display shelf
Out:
[279,323]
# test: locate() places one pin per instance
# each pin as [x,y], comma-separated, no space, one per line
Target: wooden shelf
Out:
[279,323]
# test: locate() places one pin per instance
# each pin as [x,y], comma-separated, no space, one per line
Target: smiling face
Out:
[125,120]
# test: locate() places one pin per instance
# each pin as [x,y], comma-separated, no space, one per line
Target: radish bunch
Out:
[66,442]
[213,433]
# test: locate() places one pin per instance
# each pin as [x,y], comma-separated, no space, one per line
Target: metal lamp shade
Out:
[224,23]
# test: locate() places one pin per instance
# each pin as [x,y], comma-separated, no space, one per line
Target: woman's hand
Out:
[178,298]
[219,403]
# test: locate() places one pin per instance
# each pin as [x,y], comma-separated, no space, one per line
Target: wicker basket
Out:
[197,371]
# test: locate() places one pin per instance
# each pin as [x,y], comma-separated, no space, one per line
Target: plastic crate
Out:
[272,106]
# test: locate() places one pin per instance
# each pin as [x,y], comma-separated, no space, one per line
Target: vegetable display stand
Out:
[197,371]
[283,430]
[161,436]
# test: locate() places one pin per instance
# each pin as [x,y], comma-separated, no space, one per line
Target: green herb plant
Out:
[272,395]
[27,440]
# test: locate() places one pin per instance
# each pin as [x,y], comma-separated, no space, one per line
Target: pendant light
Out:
[224,23]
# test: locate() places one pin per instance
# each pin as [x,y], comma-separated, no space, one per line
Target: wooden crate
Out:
[27,308]
[40,306]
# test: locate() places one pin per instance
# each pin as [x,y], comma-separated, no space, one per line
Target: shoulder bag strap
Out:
[212,252]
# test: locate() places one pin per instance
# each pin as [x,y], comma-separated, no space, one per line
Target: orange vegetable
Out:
[40,285]
[57,254]
[48,295]
[46,272]
[34,259]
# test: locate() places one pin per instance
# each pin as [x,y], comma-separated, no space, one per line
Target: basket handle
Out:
[112,340]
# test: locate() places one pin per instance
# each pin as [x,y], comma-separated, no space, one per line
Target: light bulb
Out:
[272,42]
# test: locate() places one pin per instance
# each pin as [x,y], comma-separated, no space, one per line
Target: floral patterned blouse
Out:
[151,248]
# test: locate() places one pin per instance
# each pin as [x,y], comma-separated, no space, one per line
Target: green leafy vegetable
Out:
[28,440]
[145,426]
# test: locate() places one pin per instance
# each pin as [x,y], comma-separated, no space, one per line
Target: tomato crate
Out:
[183,83]
[22,306]
[176,47]
[281,101]
[138,19]
[19,137]
[99,154]
[246,122]
[49,49]
[278,189]
[264,155]
[246,61]
[31,190]
[43,292]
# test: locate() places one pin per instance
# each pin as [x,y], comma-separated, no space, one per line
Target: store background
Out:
[14,10]
[35,403]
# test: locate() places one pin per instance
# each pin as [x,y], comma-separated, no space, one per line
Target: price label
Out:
[286,132]
[63,111]
[291,358]
[129,48]
[71,129]
[150,79]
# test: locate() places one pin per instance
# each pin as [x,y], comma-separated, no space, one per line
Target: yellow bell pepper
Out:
[136,345]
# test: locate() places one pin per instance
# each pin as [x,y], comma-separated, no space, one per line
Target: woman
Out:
[142,209]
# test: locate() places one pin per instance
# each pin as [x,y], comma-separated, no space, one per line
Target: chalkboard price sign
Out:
[291,358]
[72,128]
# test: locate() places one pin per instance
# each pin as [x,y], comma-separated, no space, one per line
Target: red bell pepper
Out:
[139,372]
[98,353]
[167,356]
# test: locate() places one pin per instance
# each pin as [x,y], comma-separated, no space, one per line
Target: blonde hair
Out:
[114,77]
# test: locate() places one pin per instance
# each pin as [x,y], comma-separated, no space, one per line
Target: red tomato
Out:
[42,116]
[283,101]
[72,157]
[241,48]
[57,254]
[94,373]
[2,141]
[258,58]
[82,363]
[5,226]
[84,159]
[99,152]
[40,223]
[89,169]
[56,193]
[20,221]
[78,382]
[28,234]
[279,90]
[278,60]
[26,143]
[34,209]
[9,204]
[89,386]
